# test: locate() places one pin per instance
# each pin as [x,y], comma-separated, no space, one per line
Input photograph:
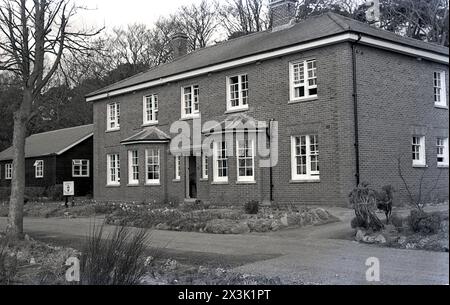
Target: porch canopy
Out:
[239,122]
[149,135]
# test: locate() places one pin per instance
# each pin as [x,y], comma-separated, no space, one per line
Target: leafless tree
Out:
[34,36]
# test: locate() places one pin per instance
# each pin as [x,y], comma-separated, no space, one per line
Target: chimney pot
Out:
[179,45]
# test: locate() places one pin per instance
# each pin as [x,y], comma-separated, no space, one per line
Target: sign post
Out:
[68,191]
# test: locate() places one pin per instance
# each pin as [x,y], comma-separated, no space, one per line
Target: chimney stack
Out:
[179,45]
[282,13]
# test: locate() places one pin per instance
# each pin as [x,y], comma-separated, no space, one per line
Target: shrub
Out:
[8,263]
[55,192]
[357,223]
[363,200]
[396,220]
[117,260]
[251,207]
[34,193]
[424,223]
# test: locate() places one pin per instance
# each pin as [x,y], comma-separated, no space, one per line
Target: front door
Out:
[191,175]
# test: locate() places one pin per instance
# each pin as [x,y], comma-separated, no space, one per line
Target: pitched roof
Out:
[148,135]
[313,28]
[52,142]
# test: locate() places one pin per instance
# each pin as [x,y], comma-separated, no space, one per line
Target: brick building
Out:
[369,99]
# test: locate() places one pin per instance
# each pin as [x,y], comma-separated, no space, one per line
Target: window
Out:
[220,162]
[153,161]
[150,110]
[303,79]
[8,171]
[113,116]
[133,167]
[418,150]
[440,94]
[204,166]
[177,160]
[80,168]
[442,151]
[245,160]
[305,157]
[113,169]
[39,169]
[237,92]
[190,101]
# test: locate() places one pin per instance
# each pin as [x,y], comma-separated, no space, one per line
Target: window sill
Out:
[204,179]
[112,185]
[234,110]
[219,182]
[176,180]
[152,184]
[190,117]
[301,100]
[133,184]
[112,130]
[442,166]
[246,182]
[420,165]
[149,124]
[80,176]
[310,180]
[440,106]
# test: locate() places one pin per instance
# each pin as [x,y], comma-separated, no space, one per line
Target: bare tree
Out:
[34,36]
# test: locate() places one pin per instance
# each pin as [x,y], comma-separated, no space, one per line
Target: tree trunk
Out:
[15,218]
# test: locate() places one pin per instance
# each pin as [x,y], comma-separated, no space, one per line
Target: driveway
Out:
[316,255]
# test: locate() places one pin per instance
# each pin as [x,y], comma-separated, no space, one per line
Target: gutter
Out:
[355,109]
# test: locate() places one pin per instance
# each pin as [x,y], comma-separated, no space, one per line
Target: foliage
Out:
[363,201]
[55,192]
[8,263]
[385,200]
[115,259]
[397,221]
[251,207]
[427,223]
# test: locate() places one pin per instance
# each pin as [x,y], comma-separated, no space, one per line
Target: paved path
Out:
[313,255]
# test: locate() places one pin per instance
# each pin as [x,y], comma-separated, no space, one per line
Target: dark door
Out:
[192,177]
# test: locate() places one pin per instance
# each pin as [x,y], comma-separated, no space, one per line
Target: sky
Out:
[113,13]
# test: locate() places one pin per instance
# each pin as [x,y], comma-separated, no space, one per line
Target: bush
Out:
[251,207]
[396,220]
[55,192]
[34,193]
[357,223]
[424,223]
[363,200]
[117,260]
[8,263]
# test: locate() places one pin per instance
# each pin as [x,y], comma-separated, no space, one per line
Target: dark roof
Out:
[313,28]
[51,142]
[149,134]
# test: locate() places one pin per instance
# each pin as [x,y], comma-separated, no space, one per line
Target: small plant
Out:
[422,222]
[363,201]
[118,259]
[384,200]
[396,220]
[8,263]
[251,207]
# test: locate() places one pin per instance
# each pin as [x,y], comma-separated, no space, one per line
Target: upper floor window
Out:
[39,169]
[113,169]
[113,116]
[305,157]
[442,151]
[237,92]
[245,160]
[133,167]
[150,109]
[80,168]
[303,79]
[440,94]
[190,101]
[152,157]
[418,150]
[8,171]
[220,162]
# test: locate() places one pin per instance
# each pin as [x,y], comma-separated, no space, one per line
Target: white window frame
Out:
[251,146]
[113,169]
[151,153]
[195,100]
[310,175]
[150,109]
[113,116]
[294,84]
[216,159]
[243,93]
[133,167]
[177,167]
[439,89]
[205,173]
[442,151]
[80,163]
[418,148]
[8,171]
[39,169]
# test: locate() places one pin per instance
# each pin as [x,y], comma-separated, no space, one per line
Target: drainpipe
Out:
[355,109]
[269,132]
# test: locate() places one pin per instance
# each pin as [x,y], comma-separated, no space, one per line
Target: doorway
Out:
[191,177]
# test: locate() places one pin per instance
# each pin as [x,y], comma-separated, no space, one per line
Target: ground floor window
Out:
[80,168]
[152,157]
[220,162]
[133,167]
[305,157]
[113,169]
[177,161]
[245,160]
[442,151]
[39,169]
[418,150]
[8,171]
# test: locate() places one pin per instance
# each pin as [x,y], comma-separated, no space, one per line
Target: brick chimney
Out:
[179,45]
[282,13]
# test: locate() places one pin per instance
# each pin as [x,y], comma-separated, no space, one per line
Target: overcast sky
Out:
[113,13]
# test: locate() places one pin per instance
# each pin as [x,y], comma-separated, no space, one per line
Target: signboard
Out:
[69,188]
